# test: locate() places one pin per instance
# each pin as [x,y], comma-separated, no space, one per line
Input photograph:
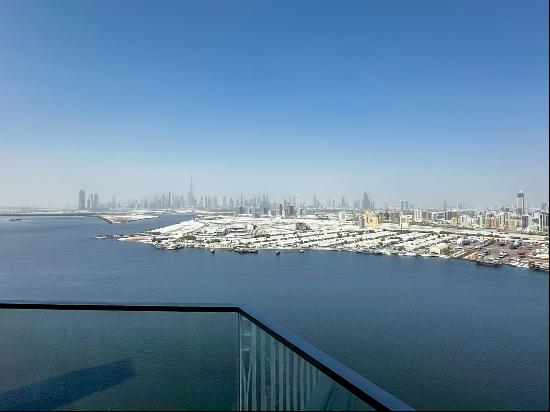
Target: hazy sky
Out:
[419,100]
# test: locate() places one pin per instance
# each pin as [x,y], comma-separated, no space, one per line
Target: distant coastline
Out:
[107,217]
[246,234]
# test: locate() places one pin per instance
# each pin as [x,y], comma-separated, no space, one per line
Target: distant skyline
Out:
[419,100]
[84,197]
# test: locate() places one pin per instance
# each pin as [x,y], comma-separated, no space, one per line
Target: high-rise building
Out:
[82,199]
[520,203]
[190,196]
[543,222]
[525,219]
[404,205]
[366,202]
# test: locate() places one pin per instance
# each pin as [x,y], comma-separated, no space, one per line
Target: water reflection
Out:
[64,389]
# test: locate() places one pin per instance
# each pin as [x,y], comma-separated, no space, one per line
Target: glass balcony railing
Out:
[80,356]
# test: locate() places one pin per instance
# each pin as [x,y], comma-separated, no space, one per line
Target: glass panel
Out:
[120,360]
[274,378]
[87,360]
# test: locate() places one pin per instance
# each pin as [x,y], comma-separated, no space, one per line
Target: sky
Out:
[419,100]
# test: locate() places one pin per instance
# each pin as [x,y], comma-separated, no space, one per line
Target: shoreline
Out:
[107,217]
[250,235]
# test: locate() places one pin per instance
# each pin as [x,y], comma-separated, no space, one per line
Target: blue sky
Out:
[419,100]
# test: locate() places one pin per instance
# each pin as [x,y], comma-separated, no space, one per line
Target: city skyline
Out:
[89,200]
[222,202]
[408,101]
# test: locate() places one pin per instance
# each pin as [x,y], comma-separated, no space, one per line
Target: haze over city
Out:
[129,99]
[268,205]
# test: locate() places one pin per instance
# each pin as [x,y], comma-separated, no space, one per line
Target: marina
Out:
[244,234]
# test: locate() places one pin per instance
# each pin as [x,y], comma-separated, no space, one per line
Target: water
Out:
[439,334]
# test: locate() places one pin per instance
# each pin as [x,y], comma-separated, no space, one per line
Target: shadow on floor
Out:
[54,392]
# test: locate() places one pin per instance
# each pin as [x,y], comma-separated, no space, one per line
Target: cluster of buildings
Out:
[248,234]
[92,203]
[362,211]
[505,219]
[518,219]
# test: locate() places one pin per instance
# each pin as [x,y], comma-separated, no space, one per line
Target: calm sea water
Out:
[438,334]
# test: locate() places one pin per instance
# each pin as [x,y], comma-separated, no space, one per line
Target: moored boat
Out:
[490,262]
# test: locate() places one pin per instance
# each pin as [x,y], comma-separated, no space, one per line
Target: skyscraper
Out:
[190,197]
[366,202]
[82,199]
[520,203]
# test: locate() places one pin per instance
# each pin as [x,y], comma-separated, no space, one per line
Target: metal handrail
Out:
[361,387]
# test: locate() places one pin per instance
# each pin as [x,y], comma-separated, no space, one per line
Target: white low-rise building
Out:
[439,248]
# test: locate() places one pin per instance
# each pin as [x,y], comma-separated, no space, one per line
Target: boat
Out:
[301,250]
[490,262]
[15,219]
[245,250]
[278,252]
[212,250]
[410,254]
[538,266]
